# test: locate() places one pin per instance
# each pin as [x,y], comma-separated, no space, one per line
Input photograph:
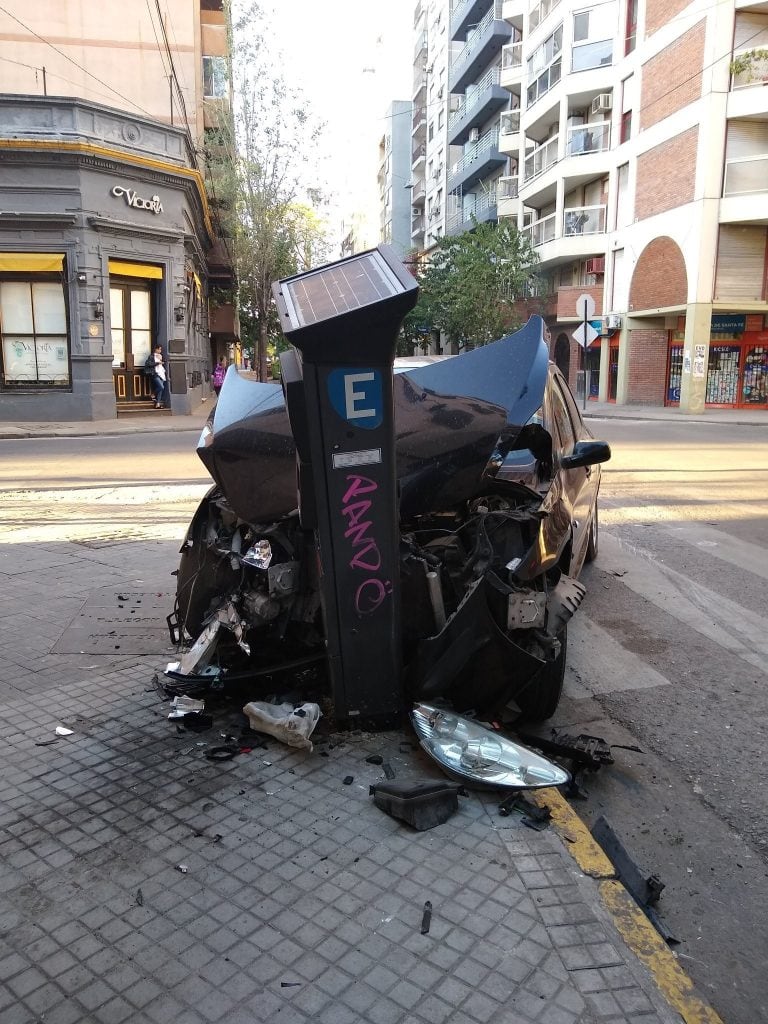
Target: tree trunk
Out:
[261,354]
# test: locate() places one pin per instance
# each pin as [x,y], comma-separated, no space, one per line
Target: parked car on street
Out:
[498,480]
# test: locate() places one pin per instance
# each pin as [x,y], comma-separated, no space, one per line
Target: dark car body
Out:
[498,480]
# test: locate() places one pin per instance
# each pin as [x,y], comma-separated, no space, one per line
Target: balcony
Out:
[421,46]
[509,131]
[418,193]
[542,230]
[418,155]
[464,14]
[512,65]
[483,99]
[480,158]
[419,90]
[223,322]
[754,70]
[588,138]
[419,123]
[507,197]
[541,159]
[540,12]
[745,191]
[417,225]
[583,220]
[541,85]
[482,208]
[483,44]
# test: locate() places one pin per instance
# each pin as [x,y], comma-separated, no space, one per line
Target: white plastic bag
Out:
[290,725]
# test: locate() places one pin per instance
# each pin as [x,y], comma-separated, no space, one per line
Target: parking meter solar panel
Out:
[340,288]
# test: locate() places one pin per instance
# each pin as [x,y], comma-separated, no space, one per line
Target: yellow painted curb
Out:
[634,927]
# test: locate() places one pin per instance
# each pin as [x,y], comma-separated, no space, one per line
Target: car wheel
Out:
[539,700]
[591,554]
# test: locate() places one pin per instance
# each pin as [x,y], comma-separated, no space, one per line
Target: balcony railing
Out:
[417,225]
[541,159]
[490,78]
[488,141]
[507,187]
[583,220]
[755,68]
[419,191]
[512,56]
[546,80]
[541,231]
[540,12]
[745,175]
[419,122]
[588,138]
[509,122]
[478,206]
[493,14]
[418,153]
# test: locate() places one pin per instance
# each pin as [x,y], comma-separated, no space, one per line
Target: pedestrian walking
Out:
[160,378]
[219,373]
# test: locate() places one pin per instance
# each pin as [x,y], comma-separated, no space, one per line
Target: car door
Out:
[578,486]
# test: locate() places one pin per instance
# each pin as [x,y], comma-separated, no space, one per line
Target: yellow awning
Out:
[198,286]
[26,262]
[135,269]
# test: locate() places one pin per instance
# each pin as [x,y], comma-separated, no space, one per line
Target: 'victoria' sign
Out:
[135,200]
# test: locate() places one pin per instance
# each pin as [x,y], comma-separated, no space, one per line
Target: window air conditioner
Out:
[613,322]
[474,134]
[602,104]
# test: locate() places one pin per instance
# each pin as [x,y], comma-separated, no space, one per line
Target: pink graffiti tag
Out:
[372,592]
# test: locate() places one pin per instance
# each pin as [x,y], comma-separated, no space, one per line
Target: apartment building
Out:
[637,139]
[393,177]
[109,241]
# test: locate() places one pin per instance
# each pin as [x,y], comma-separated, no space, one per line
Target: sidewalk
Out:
[196,421]
[142,883]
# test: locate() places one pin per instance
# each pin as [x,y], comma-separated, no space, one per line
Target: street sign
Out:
[585,334]
[585,299]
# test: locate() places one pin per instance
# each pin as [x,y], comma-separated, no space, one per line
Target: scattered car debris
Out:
[644,889]
[534,817]
[426,919]
[586,754]
[348,780]
[61,730]
[476,754]
[139,898]
[196,721]
[422,805]
[291,725]
[183,868]
[290,984]
[46,742]
[389,771]
[374,759]
[224,752]
[181,706]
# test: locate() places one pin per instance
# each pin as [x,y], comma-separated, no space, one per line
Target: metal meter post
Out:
[343,320]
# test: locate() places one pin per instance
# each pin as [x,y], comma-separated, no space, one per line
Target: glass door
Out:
[754,385]
[132,341]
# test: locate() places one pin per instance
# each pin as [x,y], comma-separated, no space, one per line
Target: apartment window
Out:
[431,131]
[440,119]
[623,211]
[215,78]
[544,66]
[630,35]
[33,328]
[626,126]
[593,32]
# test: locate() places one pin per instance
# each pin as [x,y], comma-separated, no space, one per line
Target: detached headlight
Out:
[477,754]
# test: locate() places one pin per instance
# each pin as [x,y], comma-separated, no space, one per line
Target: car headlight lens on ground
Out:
[468,749]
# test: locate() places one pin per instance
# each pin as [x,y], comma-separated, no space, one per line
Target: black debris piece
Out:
[290,984]
[324,753]
[348,780]
[375,759]
[46,743]
[223,753]
[197,721]
[644,889]
[406,746]
[422,805]
[534,817]
[389,771]
[139,898]
[586,754]
[426,919]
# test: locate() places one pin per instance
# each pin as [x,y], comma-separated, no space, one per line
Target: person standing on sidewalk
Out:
[160,378]
[219,373]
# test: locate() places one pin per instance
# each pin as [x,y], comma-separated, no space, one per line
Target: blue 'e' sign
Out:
[356,396]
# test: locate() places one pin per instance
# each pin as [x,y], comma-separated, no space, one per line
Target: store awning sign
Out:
[728,323]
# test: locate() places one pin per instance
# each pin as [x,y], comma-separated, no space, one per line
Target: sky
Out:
[351,58]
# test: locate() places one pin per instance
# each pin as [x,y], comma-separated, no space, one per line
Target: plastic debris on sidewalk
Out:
[290,725]
[61,730]
[181,706]
[422,805]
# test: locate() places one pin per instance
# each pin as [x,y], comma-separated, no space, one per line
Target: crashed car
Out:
[498,481]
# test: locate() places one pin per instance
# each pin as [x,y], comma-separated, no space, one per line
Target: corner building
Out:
[109,241]
[637,138]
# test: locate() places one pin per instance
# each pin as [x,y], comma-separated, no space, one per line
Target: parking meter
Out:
[343,320]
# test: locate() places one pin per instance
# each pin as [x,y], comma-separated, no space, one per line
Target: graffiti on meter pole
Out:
[366,555]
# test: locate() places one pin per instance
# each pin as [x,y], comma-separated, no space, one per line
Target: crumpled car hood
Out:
[449,417]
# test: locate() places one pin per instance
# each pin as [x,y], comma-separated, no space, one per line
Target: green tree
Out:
[470,284]
[257,166]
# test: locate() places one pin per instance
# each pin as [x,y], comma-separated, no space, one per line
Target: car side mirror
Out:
[586,453]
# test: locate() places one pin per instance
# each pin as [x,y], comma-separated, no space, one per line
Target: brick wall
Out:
[647,367]
[659,12]
[659,279]
[666,175]
[672,79]
[567,296]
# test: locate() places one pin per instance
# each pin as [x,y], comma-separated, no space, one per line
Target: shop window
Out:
[215,84]
[33,327]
